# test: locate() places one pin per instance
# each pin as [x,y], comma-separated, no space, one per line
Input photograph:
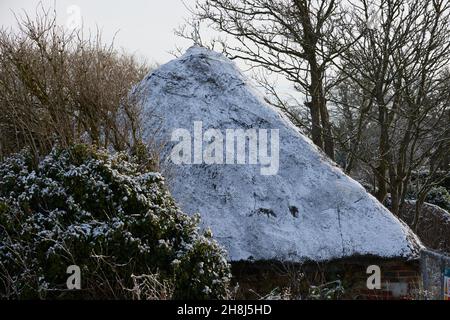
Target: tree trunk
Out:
[321,120]
[321,126]
[383,146]
[316,129]
[327,130]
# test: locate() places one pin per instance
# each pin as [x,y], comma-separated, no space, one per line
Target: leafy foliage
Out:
[440,197]
[100,212]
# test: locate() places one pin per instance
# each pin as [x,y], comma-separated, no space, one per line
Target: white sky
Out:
[142,27]
[145,27]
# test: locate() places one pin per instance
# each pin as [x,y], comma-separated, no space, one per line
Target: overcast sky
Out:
[144,27]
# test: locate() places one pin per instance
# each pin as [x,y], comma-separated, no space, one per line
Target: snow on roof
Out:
[309,210]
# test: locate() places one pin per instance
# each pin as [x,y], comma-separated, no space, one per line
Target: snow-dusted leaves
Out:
[101,212]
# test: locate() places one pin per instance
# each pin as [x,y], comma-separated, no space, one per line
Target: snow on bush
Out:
[440,197]
[100,212]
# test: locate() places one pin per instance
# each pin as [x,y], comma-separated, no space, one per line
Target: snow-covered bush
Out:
[440,197]
[102,213]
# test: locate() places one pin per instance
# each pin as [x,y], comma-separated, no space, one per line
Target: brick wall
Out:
[399,279]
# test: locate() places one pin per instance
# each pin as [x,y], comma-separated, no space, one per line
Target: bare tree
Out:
[397,67]
[58,86]
[294,38]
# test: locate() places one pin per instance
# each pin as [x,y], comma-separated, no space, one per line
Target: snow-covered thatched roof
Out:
[308,210]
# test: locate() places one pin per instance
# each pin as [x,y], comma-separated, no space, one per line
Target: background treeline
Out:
[374,79]
[65,87]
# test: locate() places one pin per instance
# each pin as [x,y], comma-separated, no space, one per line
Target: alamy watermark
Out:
[74,280]
[374,280]
[228,147]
